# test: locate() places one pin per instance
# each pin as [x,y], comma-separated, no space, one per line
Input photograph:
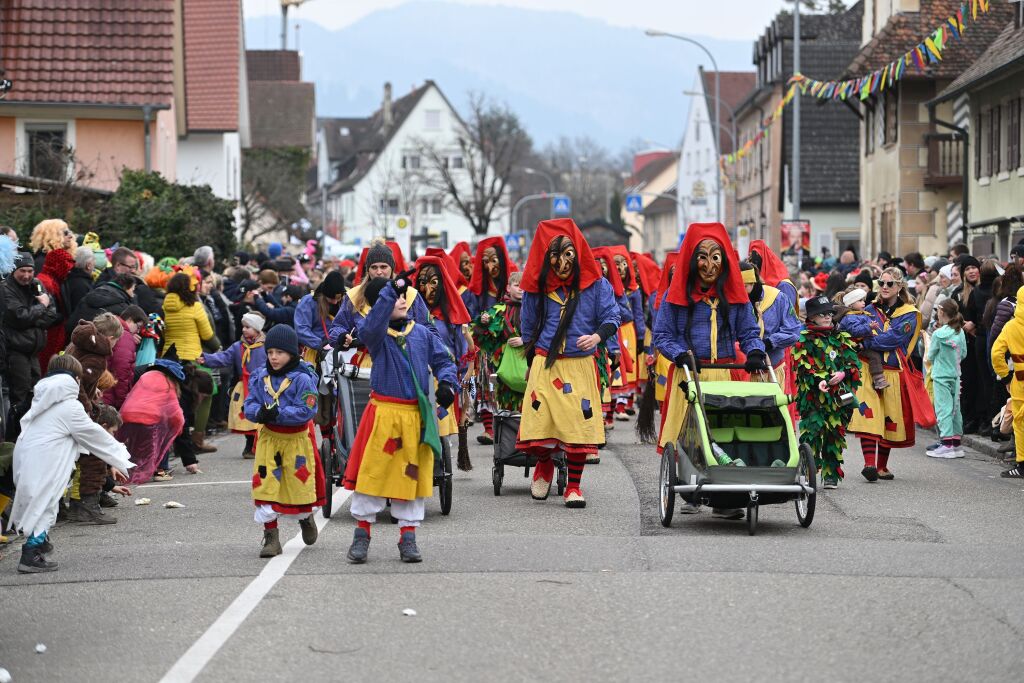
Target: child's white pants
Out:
[266,513]
[407,512]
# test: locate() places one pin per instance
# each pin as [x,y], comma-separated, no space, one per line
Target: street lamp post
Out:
[534,171]
[718,91]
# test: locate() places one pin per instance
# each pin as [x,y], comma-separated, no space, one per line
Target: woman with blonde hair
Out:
[53,233]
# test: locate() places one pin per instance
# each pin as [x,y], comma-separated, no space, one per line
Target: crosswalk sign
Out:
[561,205]
[634,203]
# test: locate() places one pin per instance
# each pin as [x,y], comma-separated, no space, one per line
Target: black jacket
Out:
[26,320]
[78,284]
[106,297]
[146,297]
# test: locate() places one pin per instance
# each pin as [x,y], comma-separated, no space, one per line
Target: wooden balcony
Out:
[945,160]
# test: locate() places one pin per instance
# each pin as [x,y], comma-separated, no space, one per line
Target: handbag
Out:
[512,369]
[431,436]
[917,394]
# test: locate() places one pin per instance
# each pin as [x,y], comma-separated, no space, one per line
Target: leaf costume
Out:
[493,340]
[820,353]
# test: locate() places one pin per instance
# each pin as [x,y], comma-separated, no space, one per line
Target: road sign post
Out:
[634,203]
[561,205]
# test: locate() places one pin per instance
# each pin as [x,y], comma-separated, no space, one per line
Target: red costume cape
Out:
[548,230]
[450,265]
[476,285]
[773,270]
[620,250]
[458,250]
[605,254]
[457,313]
[733,292]
[650,273]
[663,281]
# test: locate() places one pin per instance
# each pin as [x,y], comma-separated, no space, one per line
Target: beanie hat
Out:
[254,320]
[372,289]
[946,271]
[274,249]
[283,338]
[334,283]
[965,261]
[294,291]
[24,260]
[853,296]
[864,276]
[380,253]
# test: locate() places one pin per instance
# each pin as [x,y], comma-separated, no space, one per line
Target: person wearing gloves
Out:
[776,318]
[28,313]
[396,445]
[315,313]
[53,433]
[246,356]
[1011,342]
[854,302]
[287,477]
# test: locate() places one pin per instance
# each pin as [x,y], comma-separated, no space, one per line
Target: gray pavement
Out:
[905,580]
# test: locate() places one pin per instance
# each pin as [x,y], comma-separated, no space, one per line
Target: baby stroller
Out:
[737,449]
[506,433]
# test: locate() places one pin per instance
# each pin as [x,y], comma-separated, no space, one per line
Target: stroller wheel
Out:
[496,477]
[805,502]
[562,479]
[444,487]
[666,484]
[327,461]
[752,519]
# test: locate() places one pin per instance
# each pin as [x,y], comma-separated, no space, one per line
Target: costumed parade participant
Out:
[315,314]
[611,375]
[568,309]
[396,446]
[884,419]
[772,270]
[659,366]
[246,356]
[463,257]
[287,477]
[502,341]
[706,312]
[776,318]
[647,273]
[449,317]
[152,417]
[826,367]
[631,328]
[491,267]
[1011,342]
[457,276]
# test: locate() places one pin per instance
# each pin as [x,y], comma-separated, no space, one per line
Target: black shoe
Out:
[62,511]
[407,549]
[45,547]
[1016,472]
[631,411]
[107,500]
[985,430]
[309,530]
[971,427]
[360,546]
[484,439]
[34,562]
[870,473]
[87,511]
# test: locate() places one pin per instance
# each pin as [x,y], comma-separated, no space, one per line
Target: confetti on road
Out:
[142,501]
[409,612]
[173,504]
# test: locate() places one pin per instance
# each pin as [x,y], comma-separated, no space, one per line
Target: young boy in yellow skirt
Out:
[287,478]
[390,458]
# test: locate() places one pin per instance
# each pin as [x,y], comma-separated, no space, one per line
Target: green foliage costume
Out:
[820,353]
[493,338]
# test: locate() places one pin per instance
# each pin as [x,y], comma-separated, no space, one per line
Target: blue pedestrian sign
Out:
[512,240]
[561,205]
[634,203]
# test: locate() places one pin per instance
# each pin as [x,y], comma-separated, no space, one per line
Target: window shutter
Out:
[976,134]
[994,165]
[1013,135]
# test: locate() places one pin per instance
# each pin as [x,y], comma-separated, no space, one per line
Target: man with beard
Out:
[489,281]
[568,309]
[707,311]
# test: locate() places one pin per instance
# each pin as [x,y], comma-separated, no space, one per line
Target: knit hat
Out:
[254,320]
[283,338]
[865,277]
[929,262]
[274,250]
[817,305]
[24,260]
[294,291]
[965,261]
[853,296]
[939,263]
[946,271]
[334,284]
[372,289]
[380,253]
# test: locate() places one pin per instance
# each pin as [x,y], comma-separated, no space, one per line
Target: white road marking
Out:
[195,659]
[191,483]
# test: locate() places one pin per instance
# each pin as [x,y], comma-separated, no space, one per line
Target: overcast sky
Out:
[742,19]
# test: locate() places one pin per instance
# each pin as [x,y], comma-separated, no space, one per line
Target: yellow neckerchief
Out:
[404,333]
[410,297]
[770,295]
[276,395]
[903,309]
[553,295]
[713,305]
[247,351]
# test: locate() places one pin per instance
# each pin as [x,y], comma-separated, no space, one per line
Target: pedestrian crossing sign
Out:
[561,205]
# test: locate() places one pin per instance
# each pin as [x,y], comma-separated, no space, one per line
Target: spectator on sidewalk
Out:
[122,359]
[112,296]
[56,266]
[30,311]
[945,353]
[48,235]
[79,281]
[124,262]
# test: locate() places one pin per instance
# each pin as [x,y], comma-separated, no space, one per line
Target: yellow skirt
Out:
[236,414]
[447,422]
[884,415]
[662,367]
[387,459]
[675,407]
[562,404]
[286,470]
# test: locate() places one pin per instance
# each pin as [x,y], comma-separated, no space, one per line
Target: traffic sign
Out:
[512,240]
[561,205]
[634,203]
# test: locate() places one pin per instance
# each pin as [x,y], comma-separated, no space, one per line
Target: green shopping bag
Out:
[512,369]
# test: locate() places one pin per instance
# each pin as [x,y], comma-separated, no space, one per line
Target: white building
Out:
[374,170]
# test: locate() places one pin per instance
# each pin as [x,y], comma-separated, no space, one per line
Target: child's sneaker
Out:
[34,562]
[1016,472]
[945,451]
[880,383]
[407,549]
[933,446]
[360,546]
[830,482]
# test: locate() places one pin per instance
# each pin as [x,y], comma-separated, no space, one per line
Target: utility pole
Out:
[285,5]
[795,175]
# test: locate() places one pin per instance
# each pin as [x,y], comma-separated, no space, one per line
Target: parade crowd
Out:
[118,365]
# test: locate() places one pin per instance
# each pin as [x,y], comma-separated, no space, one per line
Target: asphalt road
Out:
[912,579]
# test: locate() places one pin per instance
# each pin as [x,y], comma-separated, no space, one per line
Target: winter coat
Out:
[78,284]
[146,298]
[107,297]
[122,366]
[281,313]
[186,327]
[1004,314]
[53,432]
[947,350]
[92,350]
[26,320]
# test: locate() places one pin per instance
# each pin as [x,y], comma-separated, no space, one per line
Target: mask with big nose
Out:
[623,266]
[709,262]
[562,257]
[429,285]
[491,263]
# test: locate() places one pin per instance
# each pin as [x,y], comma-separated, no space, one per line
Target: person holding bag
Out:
[500,335]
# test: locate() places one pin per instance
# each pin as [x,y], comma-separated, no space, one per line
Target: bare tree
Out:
[588,173]
[405,186]
[490,145]
[273,181]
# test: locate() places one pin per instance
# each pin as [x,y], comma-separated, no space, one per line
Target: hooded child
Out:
[1011,342]
[152,417]
[854,301]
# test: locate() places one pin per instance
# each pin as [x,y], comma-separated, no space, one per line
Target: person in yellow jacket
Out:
[186,323]
[1011,342]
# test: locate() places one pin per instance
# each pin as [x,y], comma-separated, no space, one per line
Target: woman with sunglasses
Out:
[883,419]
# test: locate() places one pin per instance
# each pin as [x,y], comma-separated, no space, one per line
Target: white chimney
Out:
[389,116]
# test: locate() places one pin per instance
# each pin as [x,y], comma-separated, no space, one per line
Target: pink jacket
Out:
[122,365]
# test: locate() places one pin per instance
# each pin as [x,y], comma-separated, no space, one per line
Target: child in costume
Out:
[392,456]
[153,417]
[609,352]
[947,349]
[55,430]
[315,314]
[826,366]
[1011,341]
[854,302]
[615,265]
[568,310]
[287,477]
[499,332]
[246,356]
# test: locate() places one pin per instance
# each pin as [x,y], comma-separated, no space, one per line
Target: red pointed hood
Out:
[458,250]
[606,254]
[548,230]
[773,270]
[732,288]
[621,250]
[665,280]
[650,273]
[476,285]
[396,251]
[457,313]
[450,264]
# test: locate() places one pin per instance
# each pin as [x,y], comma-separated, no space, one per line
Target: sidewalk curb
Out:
[981,444]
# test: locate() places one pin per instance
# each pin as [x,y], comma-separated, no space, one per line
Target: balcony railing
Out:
[945,160]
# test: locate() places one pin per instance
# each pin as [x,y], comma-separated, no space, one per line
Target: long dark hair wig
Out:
[573,284]
[442,298]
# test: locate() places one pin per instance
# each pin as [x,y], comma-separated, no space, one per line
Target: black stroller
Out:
[506,432]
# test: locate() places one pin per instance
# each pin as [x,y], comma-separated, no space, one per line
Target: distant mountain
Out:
[564,74]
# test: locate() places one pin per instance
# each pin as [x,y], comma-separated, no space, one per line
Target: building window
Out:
[993,140]
[48,154]
[433,119]
[1013,134]
[892,122]
[411,162]
[979,136]
[436,206]
[457,162]
[869,130]
[696,131]
[389,206]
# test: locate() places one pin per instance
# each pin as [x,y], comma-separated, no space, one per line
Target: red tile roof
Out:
[212,52]
[736,85]
[88,51]
[272,65]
